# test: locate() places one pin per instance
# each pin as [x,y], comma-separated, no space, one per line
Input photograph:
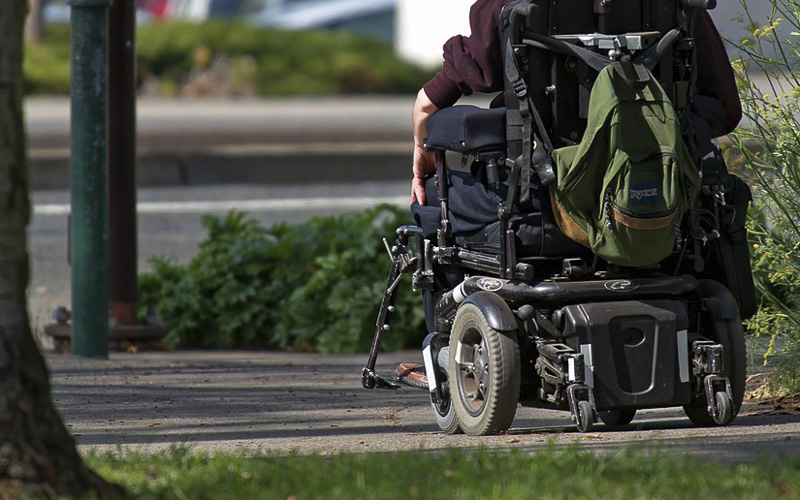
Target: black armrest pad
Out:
[466,128]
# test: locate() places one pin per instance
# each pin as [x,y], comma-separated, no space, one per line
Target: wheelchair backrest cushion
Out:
[623,190]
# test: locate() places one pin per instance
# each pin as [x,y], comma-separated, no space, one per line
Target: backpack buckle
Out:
[520,89]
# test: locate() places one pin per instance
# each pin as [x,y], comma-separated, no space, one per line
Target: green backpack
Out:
[623,190]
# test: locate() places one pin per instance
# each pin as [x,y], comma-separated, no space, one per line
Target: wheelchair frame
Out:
[537,317]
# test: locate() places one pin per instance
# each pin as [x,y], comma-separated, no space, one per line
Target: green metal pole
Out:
[89,166]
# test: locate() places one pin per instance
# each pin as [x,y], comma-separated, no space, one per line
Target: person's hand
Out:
[424,161]
[424,166]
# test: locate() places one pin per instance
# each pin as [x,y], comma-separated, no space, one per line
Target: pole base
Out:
[121,337]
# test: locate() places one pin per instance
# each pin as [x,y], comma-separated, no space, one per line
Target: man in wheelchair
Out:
[593,255]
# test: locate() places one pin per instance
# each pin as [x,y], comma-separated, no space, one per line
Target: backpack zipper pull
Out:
[607,208]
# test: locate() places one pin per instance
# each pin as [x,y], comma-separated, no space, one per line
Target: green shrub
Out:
[286,62]
[312,286]
[46,66]
[769,146]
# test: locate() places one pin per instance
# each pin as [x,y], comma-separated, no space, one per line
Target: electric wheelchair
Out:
[520,314]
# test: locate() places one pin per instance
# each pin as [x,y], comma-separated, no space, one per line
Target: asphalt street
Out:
[283,402]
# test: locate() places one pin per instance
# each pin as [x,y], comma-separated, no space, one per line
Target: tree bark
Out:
[38,457]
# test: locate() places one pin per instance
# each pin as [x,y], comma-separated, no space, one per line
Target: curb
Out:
[221,167]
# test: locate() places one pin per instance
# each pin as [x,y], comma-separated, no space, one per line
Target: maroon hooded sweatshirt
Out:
[474,63]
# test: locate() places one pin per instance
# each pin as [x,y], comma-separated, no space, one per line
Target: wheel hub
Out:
[474,371]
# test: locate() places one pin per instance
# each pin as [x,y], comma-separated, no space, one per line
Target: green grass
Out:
[452,474]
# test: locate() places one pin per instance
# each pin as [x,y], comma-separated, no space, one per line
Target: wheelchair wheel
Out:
[443,410]
[730,334]
[723,413]
[585,420]
[616,418]
[484,373]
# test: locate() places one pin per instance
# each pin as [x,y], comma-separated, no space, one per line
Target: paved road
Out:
[279,402]
[50,115]
[207,142]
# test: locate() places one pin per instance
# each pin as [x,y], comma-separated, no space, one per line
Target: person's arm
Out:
[471,63]
[424,161]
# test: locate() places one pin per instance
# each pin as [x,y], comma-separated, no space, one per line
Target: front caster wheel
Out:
[585,416]
[484,374]
[443,410]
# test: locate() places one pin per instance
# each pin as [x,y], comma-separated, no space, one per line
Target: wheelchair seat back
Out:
[559,84]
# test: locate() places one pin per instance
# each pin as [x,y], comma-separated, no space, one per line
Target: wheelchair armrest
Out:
[466,129]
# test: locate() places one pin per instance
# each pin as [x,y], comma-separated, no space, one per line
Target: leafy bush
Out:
[47,66]
[310,286]
[284,62]
[769,147]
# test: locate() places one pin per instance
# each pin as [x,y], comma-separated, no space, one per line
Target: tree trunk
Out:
[38,457]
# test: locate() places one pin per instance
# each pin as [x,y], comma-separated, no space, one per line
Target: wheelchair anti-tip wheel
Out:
[723,411]
[584,416]
[730,334]
[484,373]
[443,410]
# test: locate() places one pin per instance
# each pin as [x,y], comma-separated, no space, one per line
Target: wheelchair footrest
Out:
[372,380]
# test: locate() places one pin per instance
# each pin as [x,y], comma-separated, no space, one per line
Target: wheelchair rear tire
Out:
[730,334]
[616,418]
[484,373]
[443,411]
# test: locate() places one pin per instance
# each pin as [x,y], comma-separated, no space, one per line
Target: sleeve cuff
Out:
[441,91]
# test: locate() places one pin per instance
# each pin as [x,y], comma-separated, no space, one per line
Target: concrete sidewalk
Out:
[281,402]
[193,142]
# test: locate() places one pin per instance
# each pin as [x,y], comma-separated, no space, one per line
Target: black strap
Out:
[542,161]
[513,75]
[593,59]
[532,155]
[634,74]
[517,83]
[527,138]
[513,182]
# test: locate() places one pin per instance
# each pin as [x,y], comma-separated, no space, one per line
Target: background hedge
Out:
[316,285]
[233,58]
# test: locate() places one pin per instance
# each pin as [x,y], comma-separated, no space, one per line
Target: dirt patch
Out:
[777,405]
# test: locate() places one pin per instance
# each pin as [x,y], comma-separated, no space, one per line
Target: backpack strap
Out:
[634,74]
[593,59]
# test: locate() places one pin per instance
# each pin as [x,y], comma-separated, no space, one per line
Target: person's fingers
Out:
[418,191]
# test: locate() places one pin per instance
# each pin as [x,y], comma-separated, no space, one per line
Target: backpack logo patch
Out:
[642,195]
